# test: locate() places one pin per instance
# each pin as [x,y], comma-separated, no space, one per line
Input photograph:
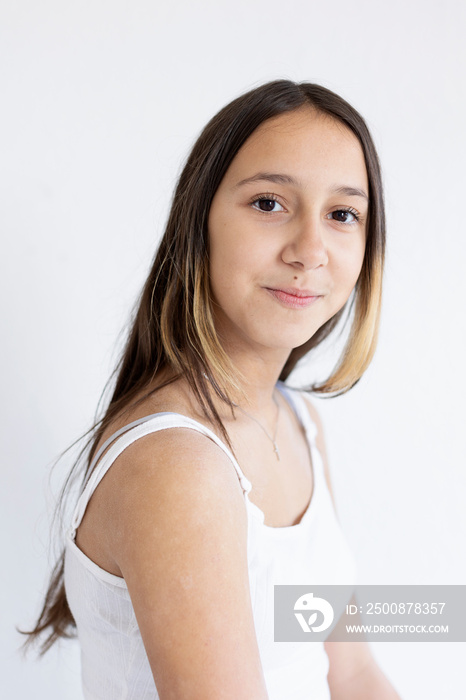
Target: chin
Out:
[286,342]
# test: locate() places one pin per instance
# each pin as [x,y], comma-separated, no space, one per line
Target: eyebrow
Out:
[282,179]
[278,178]
[350,192]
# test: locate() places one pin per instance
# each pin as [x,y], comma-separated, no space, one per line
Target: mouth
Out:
[294,298]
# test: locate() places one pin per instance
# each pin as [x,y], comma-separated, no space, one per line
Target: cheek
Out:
[221,232]
[348,266]
[234,251]
[355,256]
[227,263]
[355,267]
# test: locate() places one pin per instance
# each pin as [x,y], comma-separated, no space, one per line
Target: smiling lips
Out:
[294,298]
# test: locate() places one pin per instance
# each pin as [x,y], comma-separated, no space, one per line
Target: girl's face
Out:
[287,231]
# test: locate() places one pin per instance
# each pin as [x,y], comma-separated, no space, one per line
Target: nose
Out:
[305,247]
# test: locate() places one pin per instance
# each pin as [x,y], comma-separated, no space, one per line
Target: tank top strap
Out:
[125,437]
[297,401]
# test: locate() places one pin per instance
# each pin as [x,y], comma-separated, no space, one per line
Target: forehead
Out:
[305,144]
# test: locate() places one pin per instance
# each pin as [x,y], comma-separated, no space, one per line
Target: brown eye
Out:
[267,204]
[343,216]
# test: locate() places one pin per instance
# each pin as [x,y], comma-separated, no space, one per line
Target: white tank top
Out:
[114,664]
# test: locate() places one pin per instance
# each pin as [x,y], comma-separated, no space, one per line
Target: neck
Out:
[257,375]
[257,367]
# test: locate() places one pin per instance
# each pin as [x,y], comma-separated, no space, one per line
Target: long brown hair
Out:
[173,327]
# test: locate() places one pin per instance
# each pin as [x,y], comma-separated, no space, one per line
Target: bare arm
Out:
[353,672]
[179,536]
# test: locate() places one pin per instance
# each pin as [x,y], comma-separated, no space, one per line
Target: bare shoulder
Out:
[313,412]
[320,440]
[179,537]
[169,479]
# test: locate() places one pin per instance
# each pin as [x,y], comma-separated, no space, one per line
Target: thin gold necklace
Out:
[272,439]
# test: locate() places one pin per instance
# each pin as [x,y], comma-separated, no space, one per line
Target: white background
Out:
[100,104]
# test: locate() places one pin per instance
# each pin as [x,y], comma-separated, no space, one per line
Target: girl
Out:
[207,480]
